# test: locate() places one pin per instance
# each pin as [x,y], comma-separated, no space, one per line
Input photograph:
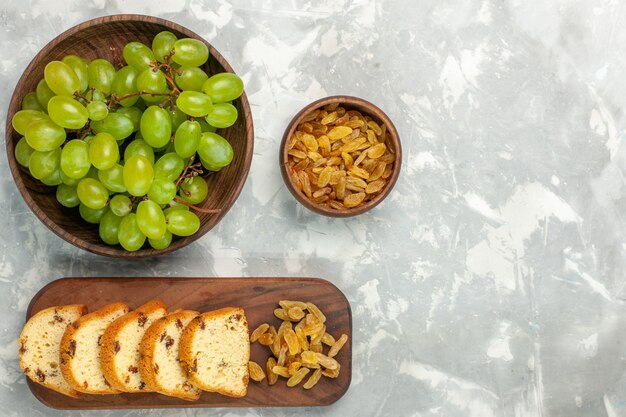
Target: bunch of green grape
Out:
[128,145]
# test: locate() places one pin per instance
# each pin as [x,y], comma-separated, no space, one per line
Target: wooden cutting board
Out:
[258,296]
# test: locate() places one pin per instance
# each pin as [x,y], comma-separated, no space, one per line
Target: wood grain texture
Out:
[258,297]
[105,38]
[350,103]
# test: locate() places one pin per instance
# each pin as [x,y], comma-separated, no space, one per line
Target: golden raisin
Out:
[354,200]
[313,379]
[256,372]
[336,347]
[271,376]
[298,377]
[377,151]
[258,332]
[339,132]
[374,186]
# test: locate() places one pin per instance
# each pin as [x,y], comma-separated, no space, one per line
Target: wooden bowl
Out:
[349,103]
[105,38]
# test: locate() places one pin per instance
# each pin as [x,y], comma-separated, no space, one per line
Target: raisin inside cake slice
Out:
[80,350]
[215,350]
[120,347]
[40,344]
[160,368]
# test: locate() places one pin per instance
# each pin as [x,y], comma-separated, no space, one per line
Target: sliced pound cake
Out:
[80,350]
[120,347]
[215,350]
[160,368]
[40,343]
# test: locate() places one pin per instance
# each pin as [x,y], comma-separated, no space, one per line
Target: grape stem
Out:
[80,96]
[196,208]
[168,73]
[196,169]
[119,61]
[115,99]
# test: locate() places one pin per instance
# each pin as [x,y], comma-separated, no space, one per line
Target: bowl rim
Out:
[102,248]
[364,106]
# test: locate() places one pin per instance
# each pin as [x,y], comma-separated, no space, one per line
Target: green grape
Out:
[215,150]
[113,178]
[92,193]
[67,195]
[54,179]
[80,67]
[23,152]
[186,138]
[156,126]
[109,228]
[190,52]
[138,55]
[98,110]
[120,205]
[44,93]
[151,80]
[43,164]
[45,135]
[125,82]
[193,190]
[177,117]
[133,113]
[139,147]
[75,159]
[24,118]
[129,234]
[101,74]
[210,167]
[222,115]
[162,191]
[87,139]
[205,127]
[30,102]
[182,223]
[223,87]
[150,219]
[140,105]
[67,112]
[169,166]
[150,99]
[190,78]
[116,124]
[103,151]
[173,206]
[138,175]
[69,181]
[61,78]
[169,148]
[162,44]
[194,104]
[161,243]
[93,94]
[162,150]
[93,173]
[91,215]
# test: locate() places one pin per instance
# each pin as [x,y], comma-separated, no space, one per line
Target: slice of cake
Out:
[119,354]
[159,367]
[215,350]
[40,343]
[80,350]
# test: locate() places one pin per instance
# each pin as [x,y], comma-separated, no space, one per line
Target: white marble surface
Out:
[490,283]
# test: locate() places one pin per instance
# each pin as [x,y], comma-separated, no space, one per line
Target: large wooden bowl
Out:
[105,38]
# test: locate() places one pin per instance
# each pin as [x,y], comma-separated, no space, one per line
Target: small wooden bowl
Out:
[105,38]
[350,103]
